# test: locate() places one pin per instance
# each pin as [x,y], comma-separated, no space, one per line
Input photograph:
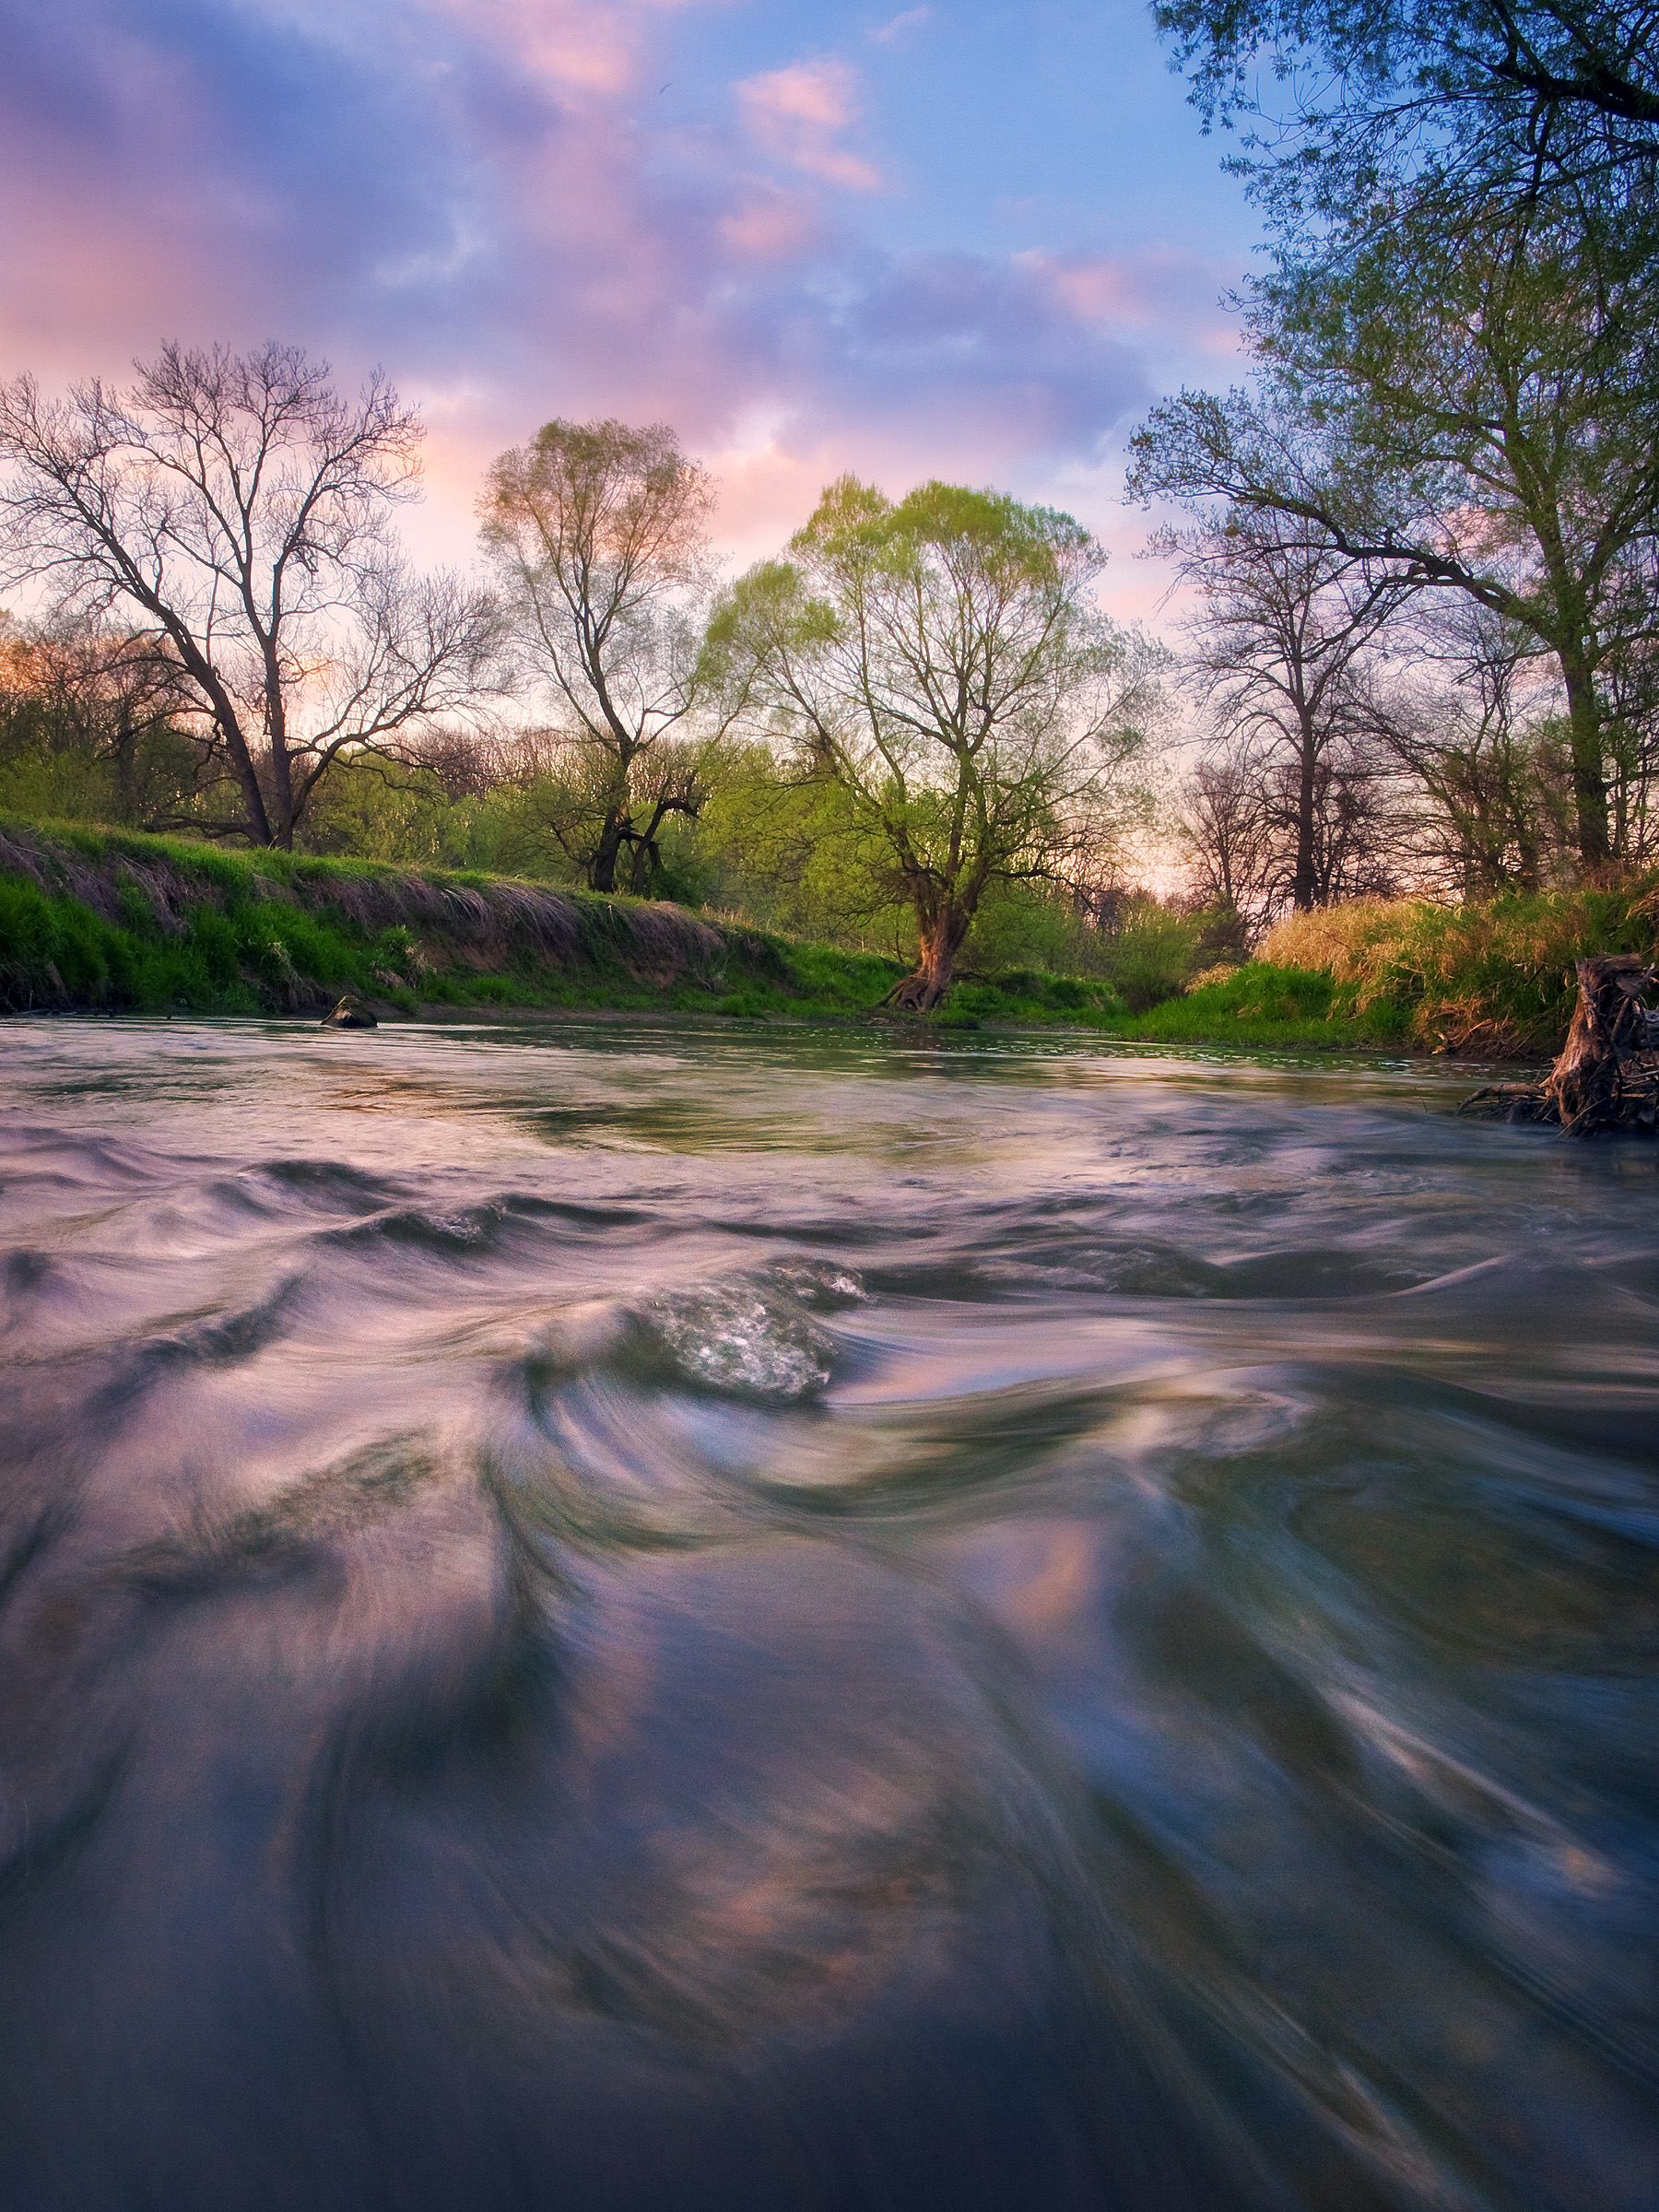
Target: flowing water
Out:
[616,1619]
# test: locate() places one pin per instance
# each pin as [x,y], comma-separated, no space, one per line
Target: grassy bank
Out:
[1489,981]
[95,919]
[98,919]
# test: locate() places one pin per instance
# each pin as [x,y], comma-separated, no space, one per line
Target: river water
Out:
[614,1618]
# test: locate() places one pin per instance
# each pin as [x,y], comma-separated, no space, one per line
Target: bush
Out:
[1153,955]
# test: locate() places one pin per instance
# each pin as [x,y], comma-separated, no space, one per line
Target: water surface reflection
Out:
[612,1619]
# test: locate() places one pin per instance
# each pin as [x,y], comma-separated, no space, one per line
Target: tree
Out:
[1224,829]
[599,534]
[1279,647]
[1470,412]
[119,702]
[1443,103]
[1488,805]
[941,660]
[241,509]
[598,801]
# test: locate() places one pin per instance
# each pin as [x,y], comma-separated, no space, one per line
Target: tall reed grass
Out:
[1492,979]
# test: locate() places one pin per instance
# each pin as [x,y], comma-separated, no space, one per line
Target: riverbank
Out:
[116,922]
[108,921]
[1488,980]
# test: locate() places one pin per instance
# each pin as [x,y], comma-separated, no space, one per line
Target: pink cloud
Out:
[767,224]
[584,45]
[473,195]
[1151,290]
[798,113]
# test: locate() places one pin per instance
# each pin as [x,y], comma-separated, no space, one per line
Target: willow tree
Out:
[235,510]
[942,660]
[598,534]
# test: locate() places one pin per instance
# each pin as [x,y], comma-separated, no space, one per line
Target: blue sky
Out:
[962,240]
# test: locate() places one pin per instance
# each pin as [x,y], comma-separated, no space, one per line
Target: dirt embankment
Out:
[97,920]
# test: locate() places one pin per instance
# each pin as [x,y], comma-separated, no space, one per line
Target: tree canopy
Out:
[599,534]
[1370,98]
[942,659]
[1474,411]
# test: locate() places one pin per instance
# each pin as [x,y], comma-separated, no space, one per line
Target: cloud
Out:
[900,29]
[767,224]
[797,115]
[463,192]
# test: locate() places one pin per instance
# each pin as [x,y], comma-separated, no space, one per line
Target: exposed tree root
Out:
[1608,1075]
[915,993]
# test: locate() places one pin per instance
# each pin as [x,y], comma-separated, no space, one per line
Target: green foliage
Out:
[1492,976]
[1263,1004]
[1153,954]
[1026,998]
[238,941]
[375,811]
[788,851]
[1493,979]
[1021,926]
[942,661]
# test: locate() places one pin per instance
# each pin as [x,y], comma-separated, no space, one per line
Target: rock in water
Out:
[347,1017]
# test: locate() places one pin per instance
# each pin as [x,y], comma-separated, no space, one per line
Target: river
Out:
[622,1618]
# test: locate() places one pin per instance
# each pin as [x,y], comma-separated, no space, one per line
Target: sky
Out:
[962,240]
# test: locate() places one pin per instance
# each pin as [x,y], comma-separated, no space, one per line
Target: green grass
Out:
[1264,1004]
[118,922]
[1492,977]
[115,920]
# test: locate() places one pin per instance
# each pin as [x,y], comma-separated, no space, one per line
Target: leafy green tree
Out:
[942,661]
[598,534]
[1470,411]
[783,844]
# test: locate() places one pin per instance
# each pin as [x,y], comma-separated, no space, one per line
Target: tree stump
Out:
[347,1016]
[1607,1074]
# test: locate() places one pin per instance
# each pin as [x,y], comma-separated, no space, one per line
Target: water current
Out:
[621,1620]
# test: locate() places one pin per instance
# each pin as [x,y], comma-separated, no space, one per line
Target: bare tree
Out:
[1224,830]
[1354,820]
[1277,654]
[242,509]
[599,534]
[1490,802]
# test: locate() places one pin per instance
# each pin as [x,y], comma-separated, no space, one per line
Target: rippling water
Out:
[608,1618]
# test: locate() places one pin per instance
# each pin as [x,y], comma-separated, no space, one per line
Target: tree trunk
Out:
[941,938]
[602,868]
[1589,784]
[1607,1074]
[1303,886]
[1608,1029]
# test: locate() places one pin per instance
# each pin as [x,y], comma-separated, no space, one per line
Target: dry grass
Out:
[1492,979]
